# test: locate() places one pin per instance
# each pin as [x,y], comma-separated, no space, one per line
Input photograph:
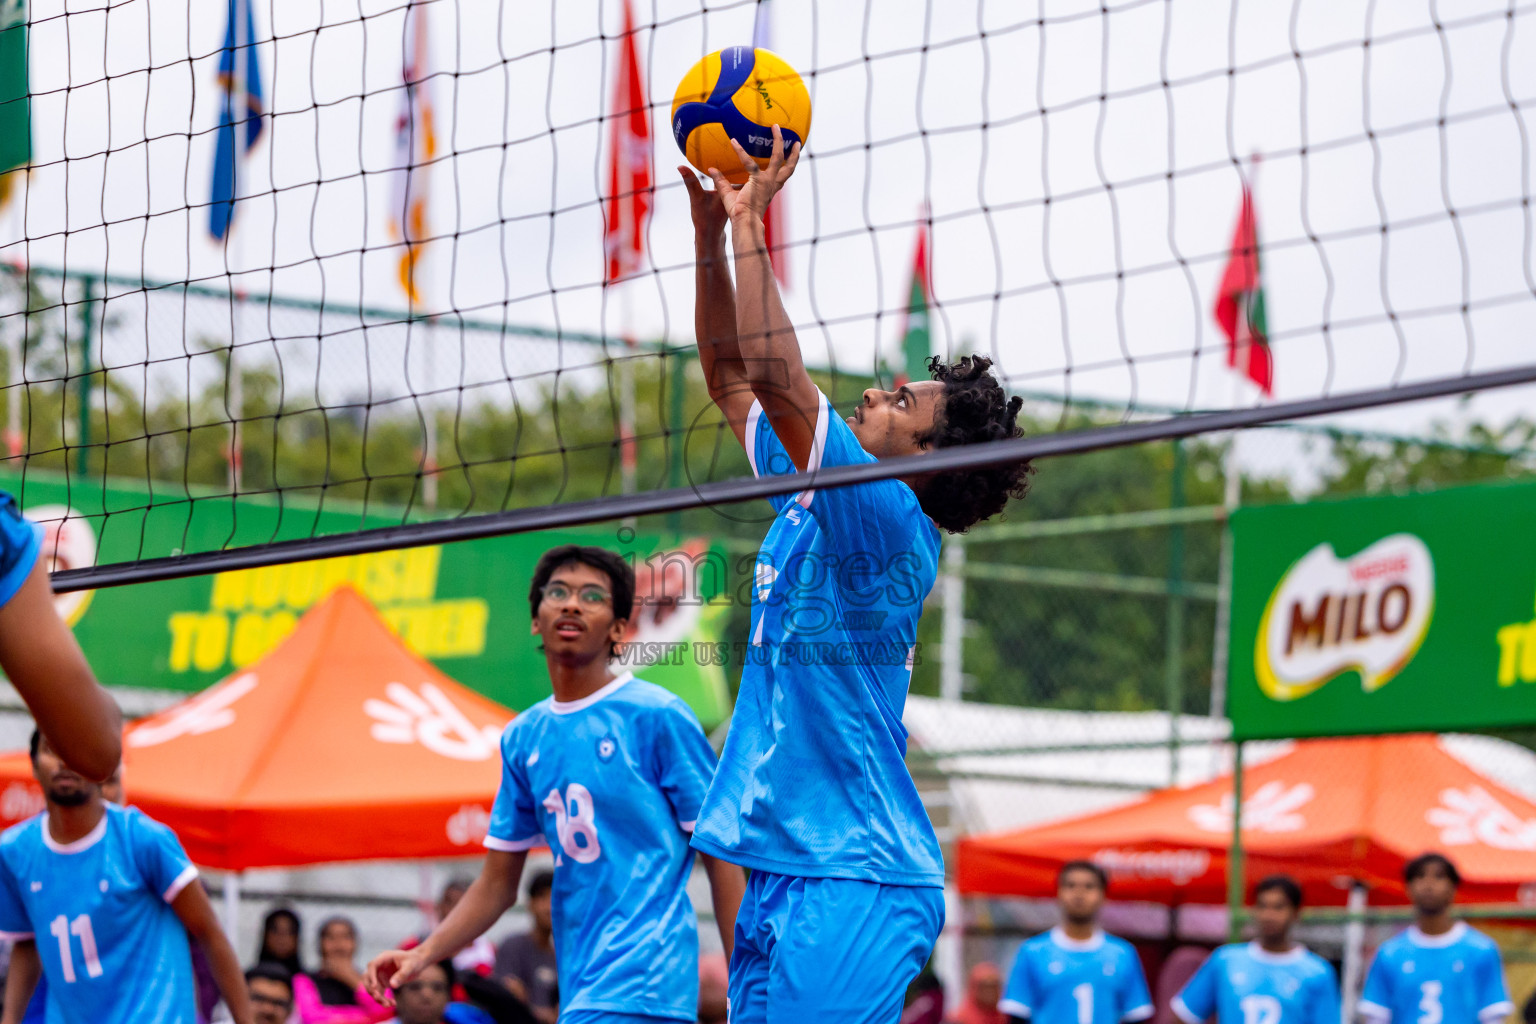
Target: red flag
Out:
[916,337]
[629,162]
[1240,303]
[773,219]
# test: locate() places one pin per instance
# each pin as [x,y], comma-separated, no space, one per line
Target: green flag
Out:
[15,119]
[916,342]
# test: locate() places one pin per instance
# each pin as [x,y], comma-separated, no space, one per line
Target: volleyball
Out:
[739,93]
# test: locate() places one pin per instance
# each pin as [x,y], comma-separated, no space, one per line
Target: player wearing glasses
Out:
[609,772]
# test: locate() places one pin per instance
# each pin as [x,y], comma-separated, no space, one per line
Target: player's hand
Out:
[388,971]
[763,183]
[709,214]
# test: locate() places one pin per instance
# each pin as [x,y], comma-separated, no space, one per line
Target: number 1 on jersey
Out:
[61,928]
[1084,995]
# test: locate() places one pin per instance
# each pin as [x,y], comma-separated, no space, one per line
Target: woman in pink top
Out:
[334,994]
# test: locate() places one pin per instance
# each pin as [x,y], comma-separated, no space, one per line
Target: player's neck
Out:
[1435,924]
[574,682]
[71,824]
[1282,944]
[1079,931]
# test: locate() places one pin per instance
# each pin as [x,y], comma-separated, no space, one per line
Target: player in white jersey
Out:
[813,794]
[1271,980]
[1438,971]
[609,773]
[109,898]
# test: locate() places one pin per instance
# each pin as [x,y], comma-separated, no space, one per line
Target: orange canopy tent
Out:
[339,745]
[1326,812]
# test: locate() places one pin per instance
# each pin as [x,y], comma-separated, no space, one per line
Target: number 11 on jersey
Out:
[61,928]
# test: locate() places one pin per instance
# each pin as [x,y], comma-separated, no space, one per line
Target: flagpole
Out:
[240,105]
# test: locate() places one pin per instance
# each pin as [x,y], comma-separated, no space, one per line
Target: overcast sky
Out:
[996,116]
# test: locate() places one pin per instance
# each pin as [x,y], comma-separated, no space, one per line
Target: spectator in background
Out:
[1271,980]
[525,962]
[480,955]
[425,999]
[1075,973]
[923,1002]
[280,941]
[983,989]
[334,994]
[714,993]
[271,991]
[1439,969]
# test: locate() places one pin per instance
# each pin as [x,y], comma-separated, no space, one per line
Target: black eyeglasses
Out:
[559,593]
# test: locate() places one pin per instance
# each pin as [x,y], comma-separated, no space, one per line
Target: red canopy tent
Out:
[338,745]
[1326,812]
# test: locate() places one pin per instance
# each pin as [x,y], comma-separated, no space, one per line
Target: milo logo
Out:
[1368,613]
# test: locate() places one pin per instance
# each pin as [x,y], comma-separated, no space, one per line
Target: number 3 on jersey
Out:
[575,822]
[60,928]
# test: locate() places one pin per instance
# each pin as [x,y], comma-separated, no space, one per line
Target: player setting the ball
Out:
[845,897]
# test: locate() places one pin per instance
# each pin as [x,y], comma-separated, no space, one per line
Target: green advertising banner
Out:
[462,606]
[15,120]
[1392,614]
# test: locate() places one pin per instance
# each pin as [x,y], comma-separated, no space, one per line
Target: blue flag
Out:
[240,82]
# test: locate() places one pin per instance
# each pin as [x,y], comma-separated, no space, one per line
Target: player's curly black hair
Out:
[975,408]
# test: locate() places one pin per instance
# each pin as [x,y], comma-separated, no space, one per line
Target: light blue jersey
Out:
[1060,980]
[112,948]
[813,781]
[1246,984]
[1455,978]
[612,783]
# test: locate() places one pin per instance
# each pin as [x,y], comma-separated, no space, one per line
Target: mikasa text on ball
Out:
[738,93]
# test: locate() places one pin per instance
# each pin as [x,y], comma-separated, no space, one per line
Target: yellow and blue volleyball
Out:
[739,93]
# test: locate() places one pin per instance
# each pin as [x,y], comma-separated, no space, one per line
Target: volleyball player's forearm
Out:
[769,348]
[488,897]
[714,317]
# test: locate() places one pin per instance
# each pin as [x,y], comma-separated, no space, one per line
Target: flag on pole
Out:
[629,161]
[1240,303]
[916,340]
[773,219]
[15,104]
[240,82]
[415,149]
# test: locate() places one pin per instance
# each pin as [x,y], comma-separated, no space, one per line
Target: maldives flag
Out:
[916,340]
[1240,303]
[629,162]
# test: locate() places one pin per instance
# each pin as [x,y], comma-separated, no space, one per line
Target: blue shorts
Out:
[822,949]
[20,543]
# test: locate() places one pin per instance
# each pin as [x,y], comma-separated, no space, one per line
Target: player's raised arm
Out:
[769,349]
[714,307]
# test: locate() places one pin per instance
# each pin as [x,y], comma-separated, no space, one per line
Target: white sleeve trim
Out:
[1141,1012]
[514,845]
[182,881]
[15,936]
[749,434]
[818,447]
[687,826]
[1495,1011]
[1375,1011]
[1013,1008]
[1182,1011]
